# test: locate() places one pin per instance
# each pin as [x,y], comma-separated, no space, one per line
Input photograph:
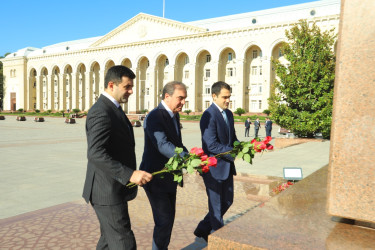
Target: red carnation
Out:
[204,157]
[269,147]
[267,139]
[197,151]
[212,162]
[205,169]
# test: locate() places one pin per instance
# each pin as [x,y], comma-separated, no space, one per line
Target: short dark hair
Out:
[115,74]
[217,86]
[171,86]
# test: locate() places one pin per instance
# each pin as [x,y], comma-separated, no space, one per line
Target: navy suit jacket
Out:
[268,125]
[161,139]
[110,154]
[217,138]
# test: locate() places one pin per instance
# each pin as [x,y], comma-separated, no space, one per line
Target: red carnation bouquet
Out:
[197,160]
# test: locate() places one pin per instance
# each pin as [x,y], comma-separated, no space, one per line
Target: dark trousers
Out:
[268,132]
[220,198]
[256,132]
[163,210]
[247,132]
[115,227]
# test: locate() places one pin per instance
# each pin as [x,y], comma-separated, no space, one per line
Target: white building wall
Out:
[239,40]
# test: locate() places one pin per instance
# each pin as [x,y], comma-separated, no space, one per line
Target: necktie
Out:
[225,118]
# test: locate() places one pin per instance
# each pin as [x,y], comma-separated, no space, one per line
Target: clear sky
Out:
[39,23]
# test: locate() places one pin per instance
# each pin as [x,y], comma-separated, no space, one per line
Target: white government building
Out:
[237,49]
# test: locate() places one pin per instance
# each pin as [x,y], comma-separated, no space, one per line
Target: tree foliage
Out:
[302,100]
[240,111]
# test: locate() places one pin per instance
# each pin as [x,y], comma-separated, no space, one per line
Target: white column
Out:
[266,84]
[74,92]
[49,92]
[131,106]
[88,90]
[239,89]
[61,91]
[101,81]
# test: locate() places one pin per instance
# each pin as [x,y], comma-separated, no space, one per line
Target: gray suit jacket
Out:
[110,154]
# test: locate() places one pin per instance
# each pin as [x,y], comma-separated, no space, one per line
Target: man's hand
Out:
[140,177]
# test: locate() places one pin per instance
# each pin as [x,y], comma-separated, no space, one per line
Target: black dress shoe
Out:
[200,234]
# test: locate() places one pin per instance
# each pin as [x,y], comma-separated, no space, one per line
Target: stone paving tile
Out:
[74,225]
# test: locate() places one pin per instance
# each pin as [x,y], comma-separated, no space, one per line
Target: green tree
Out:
[302,97]
[1,85]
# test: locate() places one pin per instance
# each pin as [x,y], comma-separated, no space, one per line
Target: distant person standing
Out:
[247,127]
[256,127]
[268,126]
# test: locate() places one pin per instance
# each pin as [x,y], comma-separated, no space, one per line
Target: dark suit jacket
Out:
[110,154]
[268,125]
[247,124]
[216,138]
[161,139]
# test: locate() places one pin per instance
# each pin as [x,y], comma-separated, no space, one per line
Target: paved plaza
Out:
[43,168]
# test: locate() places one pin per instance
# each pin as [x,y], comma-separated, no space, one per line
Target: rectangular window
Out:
[260,104]
[147,91]
[260,70]
[229,72]
[207,90]
[67,93]
[55,94]
[230,57]
[230,105]
[67,82]
[186,74]
[207,104]
[186,105]
[55,83]
[186,60]
[166,62]
[255,53]
[208,73]
[253,70]
[208,58]
[165,75]
[260,88]
[34,105]
[253,105]
[44,94]
[44,83]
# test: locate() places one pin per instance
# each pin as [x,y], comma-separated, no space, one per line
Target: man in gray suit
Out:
[162,136]
[111,161]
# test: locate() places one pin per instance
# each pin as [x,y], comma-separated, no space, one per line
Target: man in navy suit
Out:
[268,126]
[162,136]
[218,135]
[111,161]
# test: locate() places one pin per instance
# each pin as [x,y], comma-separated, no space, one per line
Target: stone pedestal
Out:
[352,156]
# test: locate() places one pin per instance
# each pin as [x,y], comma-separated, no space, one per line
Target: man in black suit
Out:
[247,127]
[268,126]
[256,127]
[162,136]
[111,161]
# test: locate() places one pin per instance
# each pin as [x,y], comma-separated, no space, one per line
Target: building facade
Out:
[237,49]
